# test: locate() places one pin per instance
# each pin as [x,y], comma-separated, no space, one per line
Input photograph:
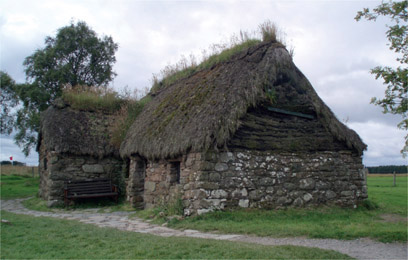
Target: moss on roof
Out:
[67,130]
[202,111]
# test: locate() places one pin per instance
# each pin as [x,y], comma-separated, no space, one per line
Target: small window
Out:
[140,170]
[45,163]
[174,172]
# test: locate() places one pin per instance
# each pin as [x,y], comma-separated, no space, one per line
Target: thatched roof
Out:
[66,130]
[203,111]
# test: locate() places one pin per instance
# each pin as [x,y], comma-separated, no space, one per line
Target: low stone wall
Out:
[57,168]
[268,180]
[258,180]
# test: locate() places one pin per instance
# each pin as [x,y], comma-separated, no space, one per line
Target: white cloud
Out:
[8,149]
[384,143]
[333,50]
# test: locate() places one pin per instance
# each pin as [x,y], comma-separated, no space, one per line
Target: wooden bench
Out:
[89,189]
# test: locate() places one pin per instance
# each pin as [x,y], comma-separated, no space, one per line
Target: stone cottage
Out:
[247,132]
[74,145]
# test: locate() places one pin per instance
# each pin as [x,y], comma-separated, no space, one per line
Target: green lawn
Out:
[48,238]
[18,186]
[390,199]
[330,222]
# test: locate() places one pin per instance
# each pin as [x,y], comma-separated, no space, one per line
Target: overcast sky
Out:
[333,50]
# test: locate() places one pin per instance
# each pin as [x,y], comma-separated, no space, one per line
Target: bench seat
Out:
[89,189]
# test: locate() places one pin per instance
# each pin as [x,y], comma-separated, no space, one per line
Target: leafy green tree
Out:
[396,79]
[8,100]
[75,56]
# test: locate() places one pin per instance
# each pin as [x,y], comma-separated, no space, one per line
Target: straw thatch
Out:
[66,130]
[204,110]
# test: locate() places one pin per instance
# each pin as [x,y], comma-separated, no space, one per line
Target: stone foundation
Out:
[55,169]
[258,180]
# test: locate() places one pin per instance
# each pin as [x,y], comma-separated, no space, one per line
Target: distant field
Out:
[386,174]
[19,170]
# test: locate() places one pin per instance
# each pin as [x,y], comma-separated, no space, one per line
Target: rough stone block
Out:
[243,203]
[150,186]
[199,194]
[203,211]
[298,202]
[266,181]
[340,185]
[214,176]
[207,166]
[307,184]
[201,204]
[217,194]
[255,194]
[220,167]
[284,201]
[92,168]
[289,186]
[330,194]
[226,157]
[347,193]
[269,190]
[307,197]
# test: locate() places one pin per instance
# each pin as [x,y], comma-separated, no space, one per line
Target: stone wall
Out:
[56,168]
[259,180]
[161,187]
[136,182]
[267,180]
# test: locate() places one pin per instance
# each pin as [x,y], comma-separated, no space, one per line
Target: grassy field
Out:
[47,238]
[383,218]
[19,170]
[18,186]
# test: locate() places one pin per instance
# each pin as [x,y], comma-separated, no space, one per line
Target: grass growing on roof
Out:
[89,98]
[124,119]
[267,32]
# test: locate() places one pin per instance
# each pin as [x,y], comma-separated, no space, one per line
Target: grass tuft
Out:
[124,119]
[218,53]
[89,98]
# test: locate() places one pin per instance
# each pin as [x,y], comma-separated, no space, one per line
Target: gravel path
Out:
[360,248]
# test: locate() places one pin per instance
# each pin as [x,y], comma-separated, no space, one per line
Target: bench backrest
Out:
[89,187]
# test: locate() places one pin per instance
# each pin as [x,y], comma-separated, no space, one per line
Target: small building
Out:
[247,132]
[75,145]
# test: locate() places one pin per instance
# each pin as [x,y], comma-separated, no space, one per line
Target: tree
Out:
[8,100]
[396,79]
[75,56]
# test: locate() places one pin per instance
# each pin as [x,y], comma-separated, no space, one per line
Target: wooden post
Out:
[32,171]
[395,180]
